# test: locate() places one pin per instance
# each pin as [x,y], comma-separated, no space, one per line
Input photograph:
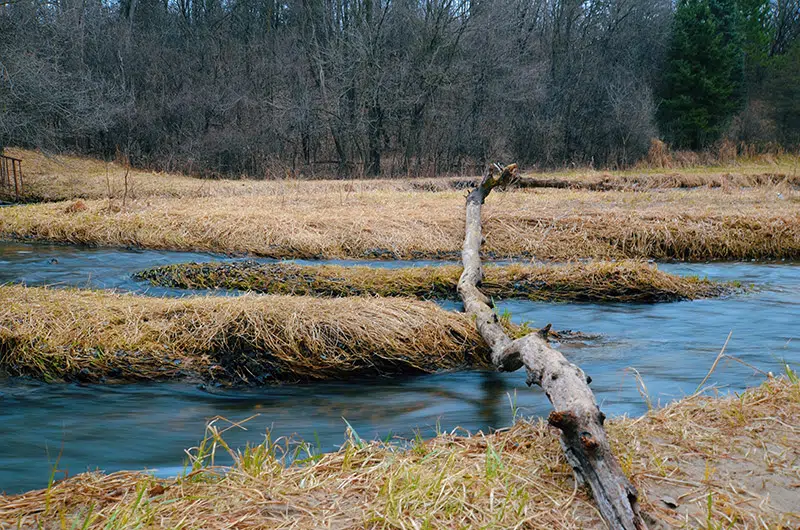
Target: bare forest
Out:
[270,88]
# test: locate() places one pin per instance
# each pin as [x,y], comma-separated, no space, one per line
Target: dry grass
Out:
[63,177]
[710,177]
[704,224]
[51,177]
[597,282]
[55,334]
[726,463]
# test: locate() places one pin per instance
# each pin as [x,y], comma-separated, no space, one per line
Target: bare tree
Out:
[344,87]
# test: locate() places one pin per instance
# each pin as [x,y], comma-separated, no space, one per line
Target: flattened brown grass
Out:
[693,225]
[596,282]
[55,334]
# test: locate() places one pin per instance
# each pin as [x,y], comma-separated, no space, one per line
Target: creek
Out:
[73,428]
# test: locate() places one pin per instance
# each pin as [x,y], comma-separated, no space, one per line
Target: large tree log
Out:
[575,413]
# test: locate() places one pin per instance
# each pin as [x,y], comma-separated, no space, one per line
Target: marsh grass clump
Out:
[592,282]
[55,334]
[726,463]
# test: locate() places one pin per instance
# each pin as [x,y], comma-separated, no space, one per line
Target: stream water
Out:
[72,428]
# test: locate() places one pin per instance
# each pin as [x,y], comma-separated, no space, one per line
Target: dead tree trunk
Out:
[575,413]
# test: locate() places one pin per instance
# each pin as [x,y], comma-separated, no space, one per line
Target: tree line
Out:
[395,87]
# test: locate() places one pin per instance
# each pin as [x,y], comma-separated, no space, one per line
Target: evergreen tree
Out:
[757,35]
[704,73]
[783,91]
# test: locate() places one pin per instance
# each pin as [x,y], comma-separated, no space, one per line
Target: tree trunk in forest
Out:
[375,131]
[575,413]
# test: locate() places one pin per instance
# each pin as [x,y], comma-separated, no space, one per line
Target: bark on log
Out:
[575,413]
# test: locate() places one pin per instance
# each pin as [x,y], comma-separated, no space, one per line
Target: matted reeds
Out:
[55,334]
[693,225]
[586,282]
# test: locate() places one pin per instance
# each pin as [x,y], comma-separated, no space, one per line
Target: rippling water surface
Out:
[73,428]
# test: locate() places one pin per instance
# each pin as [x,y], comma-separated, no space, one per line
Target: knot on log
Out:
[569,424]
[589,443]
[565,420]
[534,378]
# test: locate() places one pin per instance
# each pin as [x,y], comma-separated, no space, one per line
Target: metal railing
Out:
[11,174]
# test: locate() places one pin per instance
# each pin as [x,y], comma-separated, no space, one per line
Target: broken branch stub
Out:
[575,413]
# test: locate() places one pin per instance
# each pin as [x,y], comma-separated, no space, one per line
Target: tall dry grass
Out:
[700,463]
[596,282]
[695,225]
[54,334]
[51,177]
[606,181]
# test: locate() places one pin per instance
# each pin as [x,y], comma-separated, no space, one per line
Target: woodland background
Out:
[343,88]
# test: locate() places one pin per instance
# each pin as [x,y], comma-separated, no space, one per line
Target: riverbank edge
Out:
[727,461]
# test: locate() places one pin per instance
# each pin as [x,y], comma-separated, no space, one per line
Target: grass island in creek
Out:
[596,282]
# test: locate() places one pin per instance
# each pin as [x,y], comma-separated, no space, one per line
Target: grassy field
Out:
[707,224]
[52,177]
[409,218]
[65,334]
[700,463]
[592,282]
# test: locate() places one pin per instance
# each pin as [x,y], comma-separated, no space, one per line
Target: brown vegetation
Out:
[605,181]
[303,219]
[597,282]
[702,462]
[52,177]
[54,334]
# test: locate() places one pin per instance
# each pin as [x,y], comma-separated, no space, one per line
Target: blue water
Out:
[141,426]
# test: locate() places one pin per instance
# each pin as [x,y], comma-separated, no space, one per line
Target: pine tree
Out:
[783,92]
[756,33]
[704,73]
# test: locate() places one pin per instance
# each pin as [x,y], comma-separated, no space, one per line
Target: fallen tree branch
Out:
[575,413]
